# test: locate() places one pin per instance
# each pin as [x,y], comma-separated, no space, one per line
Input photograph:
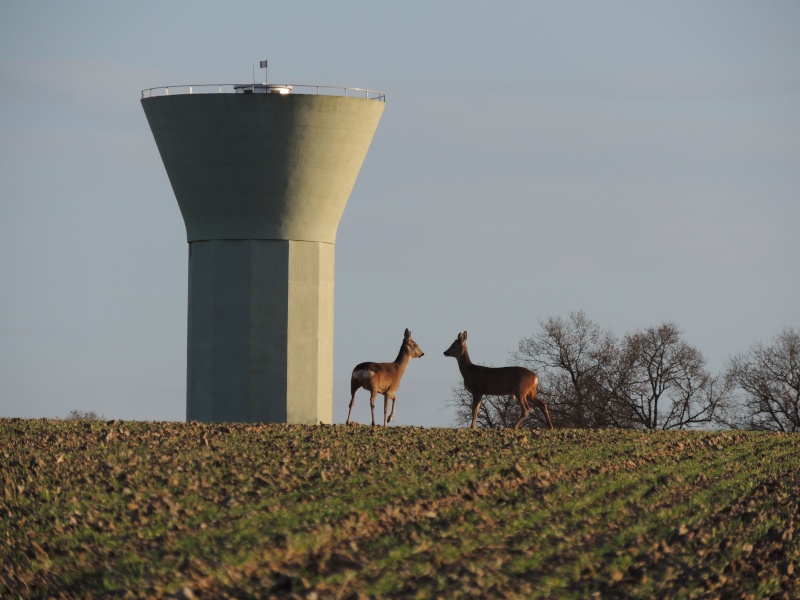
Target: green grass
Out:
[135,509]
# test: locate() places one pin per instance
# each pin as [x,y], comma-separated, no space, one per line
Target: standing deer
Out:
[481,381]
[383,378]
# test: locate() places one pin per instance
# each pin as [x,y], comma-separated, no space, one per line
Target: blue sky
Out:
[638,161]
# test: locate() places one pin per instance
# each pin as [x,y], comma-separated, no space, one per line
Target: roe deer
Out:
[496,381]
[383,378]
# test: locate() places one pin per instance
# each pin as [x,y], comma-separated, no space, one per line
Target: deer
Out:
[383,378]
[481,381]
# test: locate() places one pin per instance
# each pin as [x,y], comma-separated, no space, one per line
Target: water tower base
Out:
[260,331]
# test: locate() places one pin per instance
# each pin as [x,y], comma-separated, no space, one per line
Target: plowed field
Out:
[133,509]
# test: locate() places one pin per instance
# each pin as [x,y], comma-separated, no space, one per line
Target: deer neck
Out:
[464,363]
[403,357]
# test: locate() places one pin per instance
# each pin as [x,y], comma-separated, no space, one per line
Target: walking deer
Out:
[383,378]
[481,381]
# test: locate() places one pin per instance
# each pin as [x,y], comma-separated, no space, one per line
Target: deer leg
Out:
[543,407]
[373,393]
[476,404]
[385,407]
[353,388]
[526,408]
[391,414]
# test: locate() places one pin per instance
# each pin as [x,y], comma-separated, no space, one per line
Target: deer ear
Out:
[465,336]
[407,334]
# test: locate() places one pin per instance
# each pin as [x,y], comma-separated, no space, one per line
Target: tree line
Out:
[649,379]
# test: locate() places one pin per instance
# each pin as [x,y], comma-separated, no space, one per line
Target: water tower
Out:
[262,174]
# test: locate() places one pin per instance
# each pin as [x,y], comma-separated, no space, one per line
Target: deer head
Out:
[411,347]
[458,347]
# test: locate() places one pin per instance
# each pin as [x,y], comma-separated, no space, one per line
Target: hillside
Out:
[134,509]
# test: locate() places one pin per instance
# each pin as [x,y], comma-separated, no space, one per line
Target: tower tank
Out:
[262,174]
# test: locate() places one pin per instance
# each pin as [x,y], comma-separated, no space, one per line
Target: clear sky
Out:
[638,161]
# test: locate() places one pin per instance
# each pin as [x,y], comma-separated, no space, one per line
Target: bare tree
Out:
[651,379]
[80,415]
[573,357]
[663,382]
[769,380]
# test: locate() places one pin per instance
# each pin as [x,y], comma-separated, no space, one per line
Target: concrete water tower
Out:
[262,174]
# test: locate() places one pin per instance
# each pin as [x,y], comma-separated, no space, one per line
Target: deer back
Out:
[498,381]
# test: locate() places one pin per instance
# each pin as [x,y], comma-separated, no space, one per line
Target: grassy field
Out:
[94,508]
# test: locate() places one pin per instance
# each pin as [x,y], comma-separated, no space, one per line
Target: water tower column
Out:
[260,327]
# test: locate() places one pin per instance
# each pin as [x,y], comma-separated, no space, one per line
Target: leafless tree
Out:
[81,415]
[650,379]
[572,356]
[768,378]
[663,382]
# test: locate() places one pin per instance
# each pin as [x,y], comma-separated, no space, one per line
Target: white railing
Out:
[229,88]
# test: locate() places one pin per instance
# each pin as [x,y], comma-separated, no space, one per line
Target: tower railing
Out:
[229,88]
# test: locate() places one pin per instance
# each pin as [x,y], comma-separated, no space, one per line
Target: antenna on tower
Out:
[263,65]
